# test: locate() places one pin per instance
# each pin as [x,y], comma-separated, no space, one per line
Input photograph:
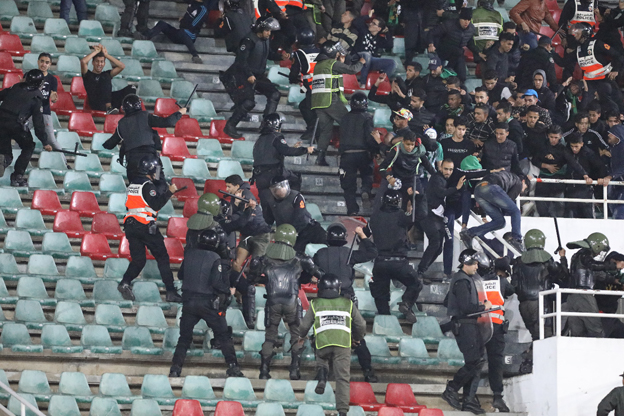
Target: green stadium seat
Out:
[145,407]
[5,297]
[280,391]
[23,26]
[56,338]
[80,268]
[150,90]
[167,211]
[366,303]
[138,340]
[56,123]
[97,146]
[114,48]
[381,117]
[42,179]
[151,317]
[57,28]
[68,66]
[115,268]
[53,161]
[72,290]
[116,386]
[164,71]
[15,336]
[63,406]
[167,167]
[10,200]
[157,387]
[295,96]
[4,228]
[57,245]
[104,406]
[327,400]
[70,315]
[30,62]
[356,411]
[209,150]
[133,70]
[91,30]
[260,299]
[199,388]
[315,211]
[428,329]
[275,77]
[44,266]
[68,141]
[117,204]
[19,243]
[379,350]
[310,410]
[203,110]
[239,389]
[146,293]
[144,50]
[226,168]
[112,182]
[43,43]
[3,379]
[8,265]
[181,90]
[75,384]
[243,152]
[30,220]
[89,164]
[15,405]
[399,46]
[252,342]
[270,409]
[107,13]
[77,46]
[388,326]
[96,339]
[196,169]
[30,287]
[471,84]
[449,351]
[2,317]
[36,383]
[415,351]
[234,318]
[8,9]
[105,291]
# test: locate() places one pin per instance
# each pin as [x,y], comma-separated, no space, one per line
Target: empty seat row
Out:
[73,181]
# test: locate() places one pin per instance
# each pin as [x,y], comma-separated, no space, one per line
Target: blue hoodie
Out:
[617,152]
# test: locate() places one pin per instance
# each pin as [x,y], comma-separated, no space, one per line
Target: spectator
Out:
[545,95]
[529,15]
[480,129]
[498,57]
[516,134]
[421,117]
[449,129]
[489,24]
[79,5]
[613,118]
[457,147]
[370,45]
[453,83]
[517,103]
[452,108]
[481,97]
[570,100]
[534,135]
[98,83]
[411,15]
[342,32]
[435,86]
[501,153]
[413,80]
[127,17]
[496,91]
[397,98]
[591,138]
[333,11]
[594,110]
[450,38]
[531,99]
[616,171]
[515,53]
[537,58]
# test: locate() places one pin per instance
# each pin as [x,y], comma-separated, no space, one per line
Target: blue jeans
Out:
[528,38]
[617,210]
[81,9]
[375,64]
[496,204]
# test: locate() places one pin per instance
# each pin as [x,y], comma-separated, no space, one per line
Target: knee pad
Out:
[248,105]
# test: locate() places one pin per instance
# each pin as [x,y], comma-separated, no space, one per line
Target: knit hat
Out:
[465,13]
[471,163]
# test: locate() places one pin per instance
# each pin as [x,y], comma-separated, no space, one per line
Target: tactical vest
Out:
[307,62]
[258,54]
[137,207]
[389,235]
[334,260]
[580,276]
[265,153]
[592,68]
[325,84]
[284,212]
[135,131]
[332,322]
[493,293]
[530,279]
[240,24]
[453,308]
[583,16]
[198,278]
[17,103]
[282,281]
[489,24]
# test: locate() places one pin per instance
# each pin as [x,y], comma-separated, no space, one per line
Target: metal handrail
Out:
[24,403]
[557,291]
[490,250]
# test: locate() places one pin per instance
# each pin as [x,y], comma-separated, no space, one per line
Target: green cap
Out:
[209,204]
[286,234]
[534,239]
[470,163]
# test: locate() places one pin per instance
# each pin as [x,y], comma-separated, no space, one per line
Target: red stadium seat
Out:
[305,303]
[402,396]
[87,109]
[96,247]
[213,185]
[190,192]
[285,64]
[186,407]
[431,412]
[366,8]
[108,225]
[6,63]
[188,128]
[362,395]
[225,408]
[111,121]
[547,31]
[77,89]
[176,228]
[383,89]
[213,16]
[556,14]
[162,132]
[124,250]
[84,203]
[468,55]
[60,86]
[175,149]
[216,132]
[11,79]
[552,6]
[390,411]
[175,250]
[164,107]
[309,287]
[68,222]
[351,83]
[190,207]
[12,45]
[64,105]
[47,202]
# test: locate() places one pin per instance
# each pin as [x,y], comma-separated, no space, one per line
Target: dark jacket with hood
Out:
[249,222]
[617,153]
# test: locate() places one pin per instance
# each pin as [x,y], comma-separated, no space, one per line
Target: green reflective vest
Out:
[489,24]
[325,83]
[332,322]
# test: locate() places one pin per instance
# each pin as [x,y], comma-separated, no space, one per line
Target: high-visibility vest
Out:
[489,24]
[332,322]
[583,16]
[282,5]
[137,207]
[311,61]
[325,83]
[493,293]
[592,68]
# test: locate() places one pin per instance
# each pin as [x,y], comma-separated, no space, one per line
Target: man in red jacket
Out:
[529,15]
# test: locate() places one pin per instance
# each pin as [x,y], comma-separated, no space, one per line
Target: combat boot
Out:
[265,367]
[126,291]
[18,180]
[320,159]
[406,309]
[295,364]
[321,376]
[499,403]
[471,404]
[173,296]
[451,396]
[369,376]
[230,130]
[234,371]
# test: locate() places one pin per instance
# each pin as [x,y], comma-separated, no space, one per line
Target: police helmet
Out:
[534,239]
[280,187]
[269,24]
[332,48]
[392,198]
[208,240]
[336,234]
[271,123]
[33,79]
[232,4]
[149,165]
[305,37]
[286,234]
[132,104]
[584,29]
[209,203]
[468,256]
[359,101]
[598,242]
[329,286]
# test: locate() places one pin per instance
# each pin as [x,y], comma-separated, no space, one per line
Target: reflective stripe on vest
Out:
[487,30]
[137,207]
[493,293]
[592,68]
[282,5]
[323,84]
[310,60]
[332,322]
[583,16]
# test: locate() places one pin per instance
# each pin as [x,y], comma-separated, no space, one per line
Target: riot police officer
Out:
[205,295]
[289,207]
[138,139]
[339,260]
[268,154]
[464,296]
[282,267]
[389,226]
[301,72]
[142,203]
[341,328]
[247,74]
[19,103]
[235,24]
[357,149]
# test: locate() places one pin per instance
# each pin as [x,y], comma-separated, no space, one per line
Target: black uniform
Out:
[235,25]
[302,64]
[357,149]
[18,105]
[389,226]
[205,295]
[596,169]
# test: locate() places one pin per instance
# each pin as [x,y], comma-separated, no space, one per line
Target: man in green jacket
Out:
[489,24]
[612,401]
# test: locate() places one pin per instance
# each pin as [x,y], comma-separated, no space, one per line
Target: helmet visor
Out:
[280,190]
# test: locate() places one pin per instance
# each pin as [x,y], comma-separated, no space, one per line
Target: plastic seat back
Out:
[79,267]
[196,169]
[76,181]
[15,405]
[74,384]
[228,408]
[30,313]
[189,192]
[69,139]
[202,109]
[164,107]
[390,411]
[108,225]
[42,264]
[77,46]
[181,90]
[175,149]
[29,219]
[149,90]
[64,105]
[104,406]
[189,129]
[96,246]
[114,48]
[388,326]
[83,124]
[362,394]
[279,391]
[270,409]
[18,241]
[11,79]
[41,179]
[69,313]
[151,316]
[243,151]
[187,407]
[111,121]
[164,71]
[144,50]
[176,228]
[57,28]
[84,203]
[190,208]
[23,26]
[31,287]
[11,43]
[68,222]
[107,315]
[226,168]
[69,289]
[112,182]
[156,386]
[310,410]
[63,406]
[198,387]
[113,385]
[42,43]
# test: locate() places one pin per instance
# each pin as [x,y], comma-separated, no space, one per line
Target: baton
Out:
[470,315]
[558,236]
[234,196]
[189,99]
[240,274]
[69,152]
[313,137]
[283,74]
[414,198]
[181,189]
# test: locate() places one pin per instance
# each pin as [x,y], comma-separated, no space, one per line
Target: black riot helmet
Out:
[33,79]
[336,235]
[271,123]
[269,24]
[329,286]
[332,48]
[149,165]
[359,102]
[208,240]
[231,4]
[132,104]
[468,256]
[305,37]
[392,198]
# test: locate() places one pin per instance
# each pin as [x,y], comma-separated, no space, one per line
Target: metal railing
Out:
[506,246]
[605,202]
[558,313]
[23,403]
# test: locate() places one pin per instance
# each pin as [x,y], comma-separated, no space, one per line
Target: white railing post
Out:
[541,315]
[558,325]
[605,206]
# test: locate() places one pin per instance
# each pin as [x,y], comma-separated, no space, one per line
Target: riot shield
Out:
[484,322]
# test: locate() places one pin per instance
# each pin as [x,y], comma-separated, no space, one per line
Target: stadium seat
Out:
[44,266]
[11,79]
[63,405]
[23,26]
[56,338]
[165,72]
[210,150]
[190,192]
[105,291]
[111,121]
[108,225]
[150,90]
[117,204]
[390,411]
[68,222]
[379,350]
[54,162]
[157,387]
[116,386]
[114,48]
[327,400]
[11,44]
[138,340]
[234,318]
[90,165]
[151,317]
[431,412]
[310,410]
[175,148]
[69,139]
[145,407]
[280,391]
[14,405]
[216,131]
[57,28]
[64,105]
[30,313]
[381,118]
[4,293]
[83,124]
[199,388]
[197,169]
[8,9]
[471,84]
[276,78]
[449,351]
[104,406]
[243,152]
[226,168]
[146,293]
[110,182]
[4,228]
[76,181]
[117,168]
[362,395]
[133,71]
[19,243]
[295,96]
[16,337]
[30,220]
[72,290]
[428,329]
[42,179]
[144,50]
[227,408]
[203,110]
[43,43]
[175,250]
[402,396]
[35,382]
[351,83]
[68,66]
[97,339]
[31,287]
[96,246]
[78,47]
[389,327]
[84,203]
[92,30]
[70,315]
[176,228]
[6,64]
[315,211]
[167,166]
[188,128]
[164,107]
[109,316]
[97,145]
[10,201]
[181,90]
[190,207]
[186,407]
[75,384]
[57,245]
[383,89]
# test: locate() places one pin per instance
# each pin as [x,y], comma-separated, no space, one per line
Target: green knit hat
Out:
[471,163]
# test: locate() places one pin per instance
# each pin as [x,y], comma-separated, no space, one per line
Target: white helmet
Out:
[433,135]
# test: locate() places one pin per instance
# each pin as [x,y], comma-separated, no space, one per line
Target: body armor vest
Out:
[530,280]
[265,153]
[135,131]
[285,213]
[282,281]
[198,278]
[334,260]
[453,308]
